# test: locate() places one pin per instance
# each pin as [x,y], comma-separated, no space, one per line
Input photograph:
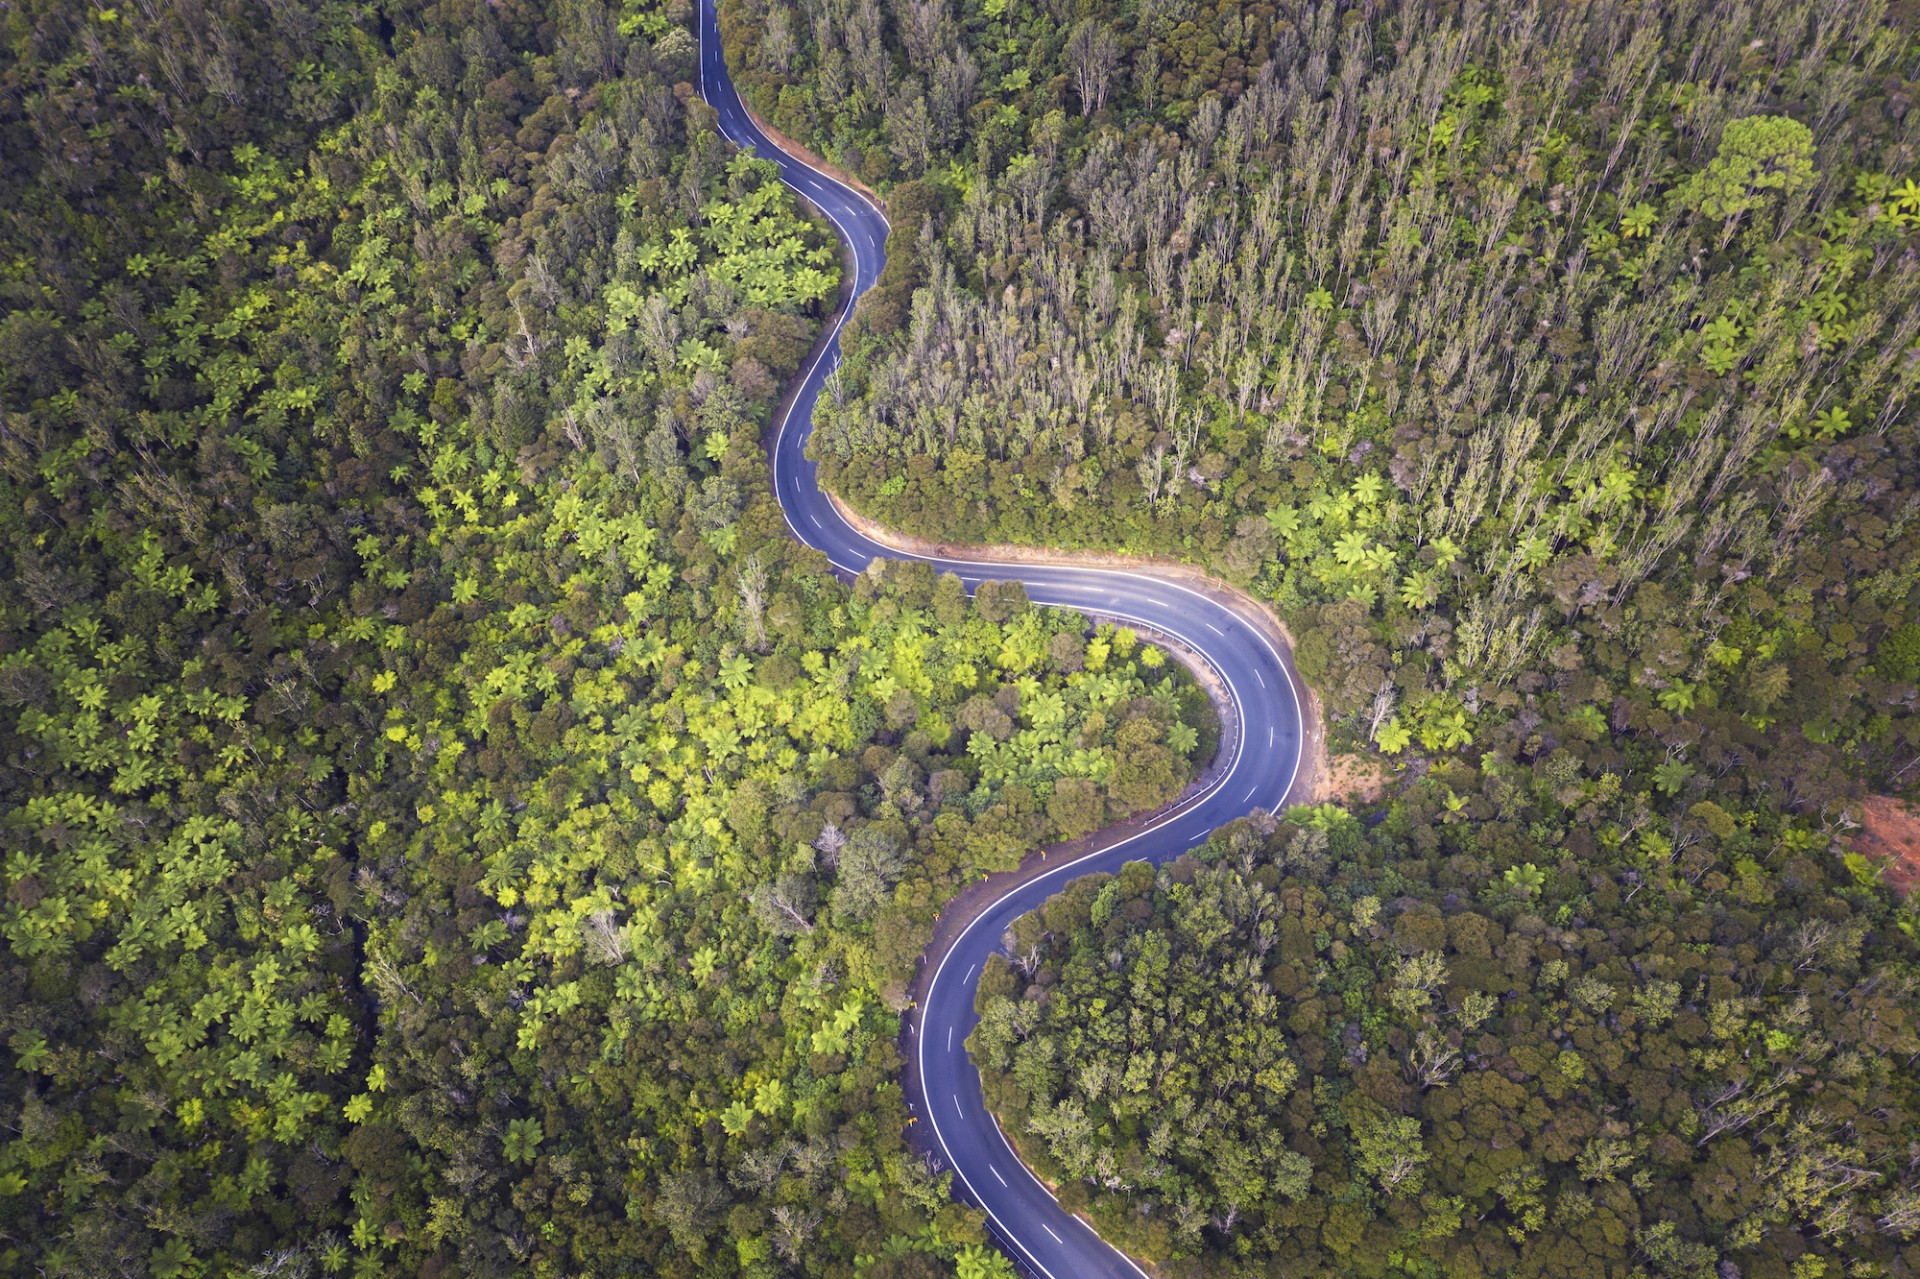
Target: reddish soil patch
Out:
[1361,775]
[1891,834]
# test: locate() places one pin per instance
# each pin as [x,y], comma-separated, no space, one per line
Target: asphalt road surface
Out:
[1263,754]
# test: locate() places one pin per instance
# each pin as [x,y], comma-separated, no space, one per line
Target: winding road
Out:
[1261,750]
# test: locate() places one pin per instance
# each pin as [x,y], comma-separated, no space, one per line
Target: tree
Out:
[1388,1149]
[1076,807]
[979,1262]
[911,132]
[1145,773]
[785,906]
[1524,881]
[949,602]
[1094,54]
[870,864]
[1758,155]
[998,602]
[1291,1174]
[522,1141]
[1898,655]
[1251,546]
[1393,737]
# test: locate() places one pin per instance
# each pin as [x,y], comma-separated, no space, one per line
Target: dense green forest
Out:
[1316,1049]
[449,828]
[1549,367]
[1550,361]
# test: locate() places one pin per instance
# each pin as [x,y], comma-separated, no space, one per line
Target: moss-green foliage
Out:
[448,827]
[1312,1049]
[1570,348]
[1550,368]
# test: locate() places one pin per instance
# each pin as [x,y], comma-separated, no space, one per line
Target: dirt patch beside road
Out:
[1891,836]
[1362,775]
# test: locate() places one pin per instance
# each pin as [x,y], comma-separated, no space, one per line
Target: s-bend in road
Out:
[1262,751]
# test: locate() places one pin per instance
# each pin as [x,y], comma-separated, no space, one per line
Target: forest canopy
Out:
[1549,369]
[449,827]
[1307,1049]
[1540,361]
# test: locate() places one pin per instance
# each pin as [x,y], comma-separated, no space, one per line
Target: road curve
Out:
[1262,748]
